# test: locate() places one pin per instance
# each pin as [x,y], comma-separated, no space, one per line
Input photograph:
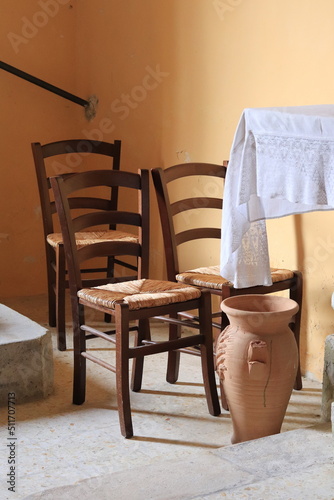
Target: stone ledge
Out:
[26,358]
[328,380]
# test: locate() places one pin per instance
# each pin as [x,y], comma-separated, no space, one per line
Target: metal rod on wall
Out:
[88,105]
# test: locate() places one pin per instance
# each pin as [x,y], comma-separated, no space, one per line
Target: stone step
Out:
[26,358]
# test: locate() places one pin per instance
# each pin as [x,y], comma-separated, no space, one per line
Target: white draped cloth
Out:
[281,163]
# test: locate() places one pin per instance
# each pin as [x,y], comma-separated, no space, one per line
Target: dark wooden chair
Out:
[135,300]
[66,158]
[187,195]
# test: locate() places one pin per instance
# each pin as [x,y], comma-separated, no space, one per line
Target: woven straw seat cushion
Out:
[209,277]
[88,237]
[139,294]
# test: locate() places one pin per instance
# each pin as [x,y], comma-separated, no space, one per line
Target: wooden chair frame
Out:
[121,312]
[163,179]
[55,260]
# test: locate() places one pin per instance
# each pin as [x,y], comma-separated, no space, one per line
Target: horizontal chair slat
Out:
[197,234]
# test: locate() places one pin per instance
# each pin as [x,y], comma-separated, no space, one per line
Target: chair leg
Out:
[173,364]
[142,334]
[60,298]
[296,294]
[224,324]
[79,346]
[207,358]
[224,321]
[110,274]
[122,369]
[51,277]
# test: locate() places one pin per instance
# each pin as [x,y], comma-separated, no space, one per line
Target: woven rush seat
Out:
[209,277]
[139,294]
[88,237]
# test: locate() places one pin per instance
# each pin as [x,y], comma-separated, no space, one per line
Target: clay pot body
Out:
[257,361]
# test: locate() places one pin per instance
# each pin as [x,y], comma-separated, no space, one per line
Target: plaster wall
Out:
[40,42]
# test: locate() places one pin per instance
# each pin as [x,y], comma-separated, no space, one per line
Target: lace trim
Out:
[301,169]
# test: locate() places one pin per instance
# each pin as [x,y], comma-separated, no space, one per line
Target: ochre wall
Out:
[41,44]
[278,53]
[172,78]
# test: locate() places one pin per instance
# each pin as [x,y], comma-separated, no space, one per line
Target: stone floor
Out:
[178,451]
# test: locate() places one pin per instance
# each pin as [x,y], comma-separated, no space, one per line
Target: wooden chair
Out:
[188,219]
[136,300]
[50,159]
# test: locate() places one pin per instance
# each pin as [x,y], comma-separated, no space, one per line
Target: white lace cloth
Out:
[281,163]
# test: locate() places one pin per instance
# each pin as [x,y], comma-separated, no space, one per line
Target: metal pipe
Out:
[43,84]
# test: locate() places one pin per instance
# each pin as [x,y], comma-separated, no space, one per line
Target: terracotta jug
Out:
[257,361]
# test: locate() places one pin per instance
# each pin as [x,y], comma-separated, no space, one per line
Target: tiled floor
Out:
[59,443]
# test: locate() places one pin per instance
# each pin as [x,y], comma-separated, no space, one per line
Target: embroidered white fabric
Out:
[281,163]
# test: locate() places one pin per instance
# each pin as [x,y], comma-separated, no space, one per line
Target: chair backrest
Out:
[188,217]
[77,152]
[132,183]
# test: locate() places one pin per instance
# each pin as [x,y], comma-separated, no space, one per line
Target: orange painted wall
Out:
[39,43]
[279,53]
[172,78]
